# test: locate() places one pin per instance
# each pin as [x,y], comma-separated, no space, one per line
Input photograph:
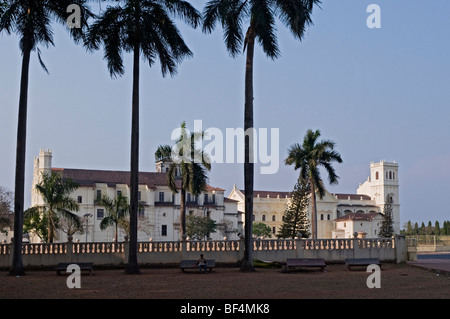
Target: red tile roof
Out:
[88,177]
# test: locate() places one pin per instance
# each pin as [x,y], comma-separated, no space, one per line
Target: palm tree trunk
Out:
[183,212]
[132,266]
[247,263]
[19,191]
[313,212]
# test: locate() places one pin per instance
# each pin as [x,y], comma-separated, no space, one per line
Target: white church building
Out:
[159,217]
[338,215]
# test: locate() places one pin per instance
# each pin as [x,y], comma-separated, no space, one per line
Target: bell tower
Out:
[383,181]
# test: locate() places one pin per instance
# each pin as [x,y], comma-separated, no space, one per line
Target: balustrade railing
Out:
[202,246]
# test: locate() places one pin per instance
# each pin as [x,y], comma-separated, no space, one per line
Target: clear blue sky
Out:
[378,93]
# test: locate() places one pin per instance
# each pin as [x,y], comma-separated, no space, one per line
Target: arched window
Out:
[387,175]
[393,175]
[321,216]
[263,218]
[328,217]
[273,218]
[377,175]
[390,175]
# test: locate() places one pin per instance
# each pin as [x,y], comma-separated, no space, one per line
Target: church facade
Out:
[338,215]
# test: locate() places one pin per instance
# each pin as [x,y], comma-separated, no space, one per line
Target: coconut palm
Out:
[31,20]
[117,209]
[55,192]
[189,165]
[144,28]
[309,157]
[261,16]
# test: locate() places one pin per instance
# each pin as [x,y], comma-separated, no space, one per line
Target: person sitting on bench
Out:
[201,264]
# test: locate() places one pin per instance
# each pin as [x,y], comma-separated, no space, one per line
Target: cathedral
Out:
[338,215]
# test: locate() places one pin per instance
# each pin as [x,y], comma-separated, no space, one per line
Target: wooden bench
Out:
[305,262]
[361,262]
[192,264]
[83,266]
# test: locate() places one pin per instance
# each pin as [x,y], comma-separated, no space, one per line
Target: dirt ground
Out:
[397,281]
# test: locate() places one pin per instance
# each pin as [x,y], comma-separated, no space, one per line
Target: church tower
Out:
[42,164]
[383,181]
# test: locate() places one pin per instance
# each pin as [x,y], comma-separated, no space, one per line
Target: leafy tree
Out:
[55,192]
[387,229]
[117,209]
[189,166]
[309,157]
[6,200]
[38,225]
[200,227]
[261,15]
[31,20]
[262,230]
[225,226]
[142,27]
[295,219]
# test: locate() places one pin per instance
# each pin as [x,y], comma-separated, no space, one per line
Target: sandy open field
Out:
[397,281]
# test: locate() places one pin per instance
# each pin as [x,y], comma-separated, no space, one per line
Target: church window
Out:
[273,218]
[393,175]
[321,216]
[376,175]
[390,175]
[263,218]
[328,217]
[100,213]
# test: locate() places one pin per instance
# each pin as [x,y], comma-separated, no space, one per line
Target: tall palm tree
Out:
[189,166]
[261,14]
[309,157]
[117,209]
[31,20]
[55,192]
[145,28]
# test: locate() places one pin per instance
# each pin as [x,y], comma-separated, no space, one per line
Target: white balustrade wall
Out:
[223,251]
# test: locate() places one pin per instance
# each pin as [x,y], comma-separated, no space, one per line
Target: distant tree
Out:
[387,229]
[437,228]
[416,228]
[117,209]
[225,227]
[309,157]
[295,218]
[55,192]
[38,225]
[429,229]
[189,167]
[199,227]
[6,201]
[422,229]
[409,229]
[262,230]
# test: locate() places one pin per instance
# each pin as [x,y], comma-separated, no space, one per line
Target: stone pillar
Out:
[69,249]
[401,251]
